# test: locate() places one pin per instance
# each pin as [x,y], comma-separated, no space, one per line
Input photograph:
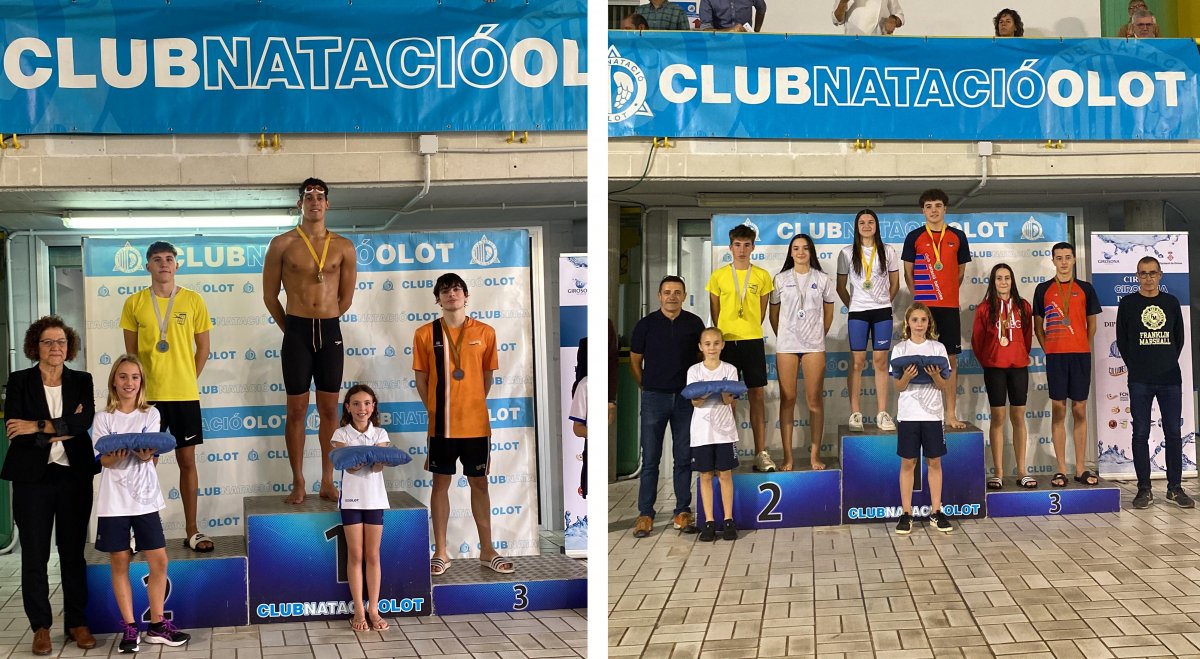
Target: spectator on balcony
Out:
[1145,26]
[634,21]
[868,16]
[1135,6]
[1008,23]
[732,15]
[664,15]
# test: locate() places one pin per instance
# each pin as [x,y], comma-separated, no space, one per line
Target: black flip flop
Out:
[1086,479]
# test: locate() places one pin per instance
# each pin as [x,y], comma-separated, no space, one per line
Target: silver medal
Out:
[458,374]
[162,346]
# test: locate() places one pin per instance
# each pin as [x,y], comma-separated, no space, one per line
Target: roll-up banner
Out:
[242,397]
[1022,240]
[142,66]
[572,315]
[1114,266]
[782,86]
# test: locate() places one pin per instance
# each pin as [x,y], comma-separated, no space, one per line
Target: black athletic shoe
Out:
[941,522]
[730,530]
[710,532]
[1143,499]
[164,633]
[1180,498]
[904,526]
[129,638]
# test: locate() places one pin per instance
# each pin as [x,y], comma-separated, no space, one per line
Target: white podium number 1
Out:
[768,514]
[1055,503]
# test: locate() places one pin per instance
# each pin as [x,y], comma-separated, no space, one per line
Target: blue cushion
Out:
[353,456]
[706,388]
[921,361]
[161,442]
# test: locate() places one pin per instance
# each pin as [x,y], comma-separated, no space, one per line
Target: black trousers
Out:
[61,501]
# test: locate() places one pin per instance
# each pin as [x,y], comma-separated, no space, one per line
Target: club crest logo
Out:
[627,88]
[127,260]
[1032,230]
[484,252]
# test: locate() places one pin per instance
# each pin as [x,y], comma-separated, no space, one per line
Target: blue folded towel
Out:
[161,442]
[706,388]
[921,361]
[353,456]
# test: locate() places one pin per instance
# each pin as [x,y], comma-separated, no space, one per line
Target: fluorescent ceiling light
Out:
[186,221]
[786,200]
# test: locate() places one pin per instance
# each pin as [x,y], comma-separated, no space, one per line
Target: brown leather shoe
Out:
[642,527]
[82,637]
[684,521]
[41,642]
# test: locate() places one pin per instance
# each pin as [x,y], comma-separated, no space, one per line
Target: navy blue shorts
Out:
[714,457]
[914,438]
[352,516]
[862,326]
[1069,375]
[112,533]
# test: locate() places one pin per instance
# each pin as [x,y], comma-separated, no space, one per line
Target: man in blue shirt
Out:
[732,15]
[663,346]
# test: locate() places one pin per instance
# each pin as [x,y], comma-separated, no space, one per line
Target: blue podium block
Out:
[1104,497]
[297,560]
[871,477]
[540,583]
[203,590]
[780,499]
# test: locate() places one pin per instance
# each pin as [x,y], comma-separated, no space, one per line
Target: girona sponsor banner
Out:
[1022,240]
[1114,257]
[572,315]
[241,390]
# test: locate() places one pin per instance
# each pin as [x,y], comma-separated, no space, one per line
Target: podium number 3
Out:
[768,514]
[1055,503]
[521,592]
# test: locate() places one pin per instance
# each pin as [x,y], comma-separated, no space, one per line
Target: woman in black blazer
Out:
[48,410]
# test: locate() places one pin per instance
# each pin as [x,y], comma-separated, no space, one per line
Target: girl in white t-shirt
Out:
[868,279]
[801,313]
[920,413]
[363,500]
[128,502]
[714,434]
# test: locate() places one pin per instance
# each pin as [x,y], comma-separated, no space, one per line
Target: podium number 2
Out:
[1055,503]
[521,592]
[768,514]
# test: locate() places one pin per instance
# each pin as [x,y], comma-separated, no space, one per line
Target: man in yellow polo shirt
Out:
[167,327]
[737,296]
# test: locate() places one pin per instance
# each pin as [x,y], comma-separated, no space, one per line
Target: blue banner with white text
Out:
[693,84]
[148,67]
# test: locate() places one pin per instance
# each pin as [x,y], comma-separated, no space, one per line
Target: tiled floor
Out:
[1108,585]
[561,633]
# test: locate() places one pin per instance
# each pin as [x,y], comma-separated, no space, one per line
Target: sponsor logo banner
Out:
[1114,257]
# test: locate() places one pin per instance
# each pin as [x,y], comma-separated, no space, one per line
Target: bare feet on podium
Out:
[955,423]
[297,495]
[329,492]
[786,465]
[817,465]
